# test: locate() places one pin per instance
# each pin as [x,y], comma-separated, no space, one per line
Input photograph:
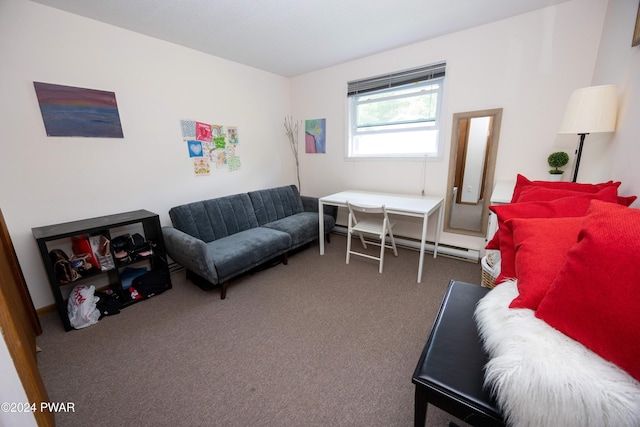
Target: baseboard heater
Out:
[465,254]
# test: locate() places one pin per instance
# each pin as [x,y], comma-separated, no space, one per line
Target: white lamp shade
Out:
[591,110]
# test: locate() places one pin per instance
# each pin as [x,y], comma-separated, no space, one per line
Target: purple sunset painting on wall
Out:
[74,111]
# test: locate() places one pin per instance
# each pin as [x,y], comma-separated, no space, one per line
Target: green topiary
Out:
[557,160]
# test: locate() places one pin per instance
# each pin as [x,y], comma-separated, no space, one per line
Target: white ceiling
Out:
[293,37]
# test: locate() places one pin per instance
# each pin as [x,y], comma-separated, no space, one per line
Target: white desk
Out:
[400,204]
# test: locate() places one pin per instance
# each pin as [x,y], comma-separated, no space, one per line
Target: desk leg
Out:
[438,231]
[321,226]
[423,241]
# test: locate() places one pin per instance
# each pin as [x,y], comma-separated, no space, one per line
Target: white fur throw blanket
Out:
[541,377]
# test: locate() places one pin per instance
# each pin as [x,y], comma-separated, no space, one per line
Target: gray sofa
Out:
[219,239]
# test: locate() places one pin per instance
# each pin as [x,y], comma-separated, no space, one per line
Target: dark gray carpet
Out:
[313,343]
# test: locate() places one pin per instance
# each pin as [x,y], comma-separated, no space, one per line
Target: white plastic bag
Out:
[82,306]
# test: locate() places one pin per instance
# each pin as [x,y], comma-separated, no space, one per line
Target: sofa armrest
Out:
[190,252]
[310,204]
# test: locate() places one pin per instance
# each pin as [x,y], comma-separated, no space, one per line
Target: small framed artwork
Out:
[315,136]
[74,111]
[636,32]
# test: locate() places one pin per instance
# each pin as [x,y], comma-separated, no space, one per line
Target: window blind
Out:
[399,78]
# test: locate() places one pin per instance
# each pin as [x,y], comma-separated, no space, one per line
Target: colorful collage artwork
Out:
[209,146]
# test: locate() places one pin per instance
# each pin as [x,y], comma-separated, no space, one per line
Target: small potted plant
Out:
[556,161]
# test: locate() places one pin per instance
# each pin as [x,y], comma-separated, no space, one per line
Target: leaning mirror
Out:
[474,145]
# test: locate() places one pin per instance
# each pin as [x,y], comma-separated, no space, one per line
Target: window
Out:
[396,115]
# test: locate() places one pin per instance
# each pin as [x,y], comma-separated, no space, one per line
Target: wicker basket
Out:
[490,268]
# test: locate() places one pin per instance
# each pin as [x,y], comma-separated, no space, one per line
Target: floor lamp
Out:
[590,110]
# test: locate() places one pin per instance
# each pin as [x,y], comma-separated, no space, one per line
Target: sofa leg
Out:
[328,237]
[285,258]
[223,289]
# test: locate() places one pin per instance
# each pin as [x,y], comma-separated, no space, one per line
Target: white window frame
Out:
[392,133]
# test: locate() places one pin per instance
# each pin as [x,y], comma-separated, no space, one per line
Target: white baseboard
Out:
[465,254]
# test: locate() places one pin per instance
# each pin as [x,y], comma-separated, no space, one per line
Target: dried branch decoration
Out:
[291,129]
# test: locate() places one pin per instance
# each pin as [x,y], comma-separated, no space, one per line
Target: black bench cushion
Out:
[453,359]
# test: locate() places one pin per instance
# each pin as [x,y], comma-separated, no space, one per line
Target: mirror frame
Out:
[489,168]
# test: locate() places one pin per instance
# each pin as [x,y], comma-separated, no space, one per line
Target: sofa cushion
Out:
[213,219]
[244,250]
[303,226]
[276,203]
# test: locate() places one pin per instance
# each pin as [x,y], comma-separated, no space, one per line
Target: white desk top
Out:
[401,204]
[404,203]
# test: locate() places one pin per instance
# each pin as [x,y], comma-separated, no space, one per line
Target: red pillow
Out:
[626,200]
[533,193]
[565,207]
[494,243]
[595,298]
[522,182]
[541,246]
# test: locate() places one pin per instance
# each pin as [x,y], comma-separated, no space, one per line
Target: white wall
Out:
[617,156]
[47,180]
[527,65]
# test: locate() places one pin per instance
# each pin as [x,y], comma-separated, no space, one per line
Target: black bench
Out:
[449,373]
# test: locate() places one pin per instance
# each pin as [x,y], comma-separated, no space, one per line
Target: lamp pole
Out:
[575,171]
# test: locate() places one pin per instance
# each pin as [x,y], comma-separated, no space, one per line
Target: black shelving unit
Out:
[110,226]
